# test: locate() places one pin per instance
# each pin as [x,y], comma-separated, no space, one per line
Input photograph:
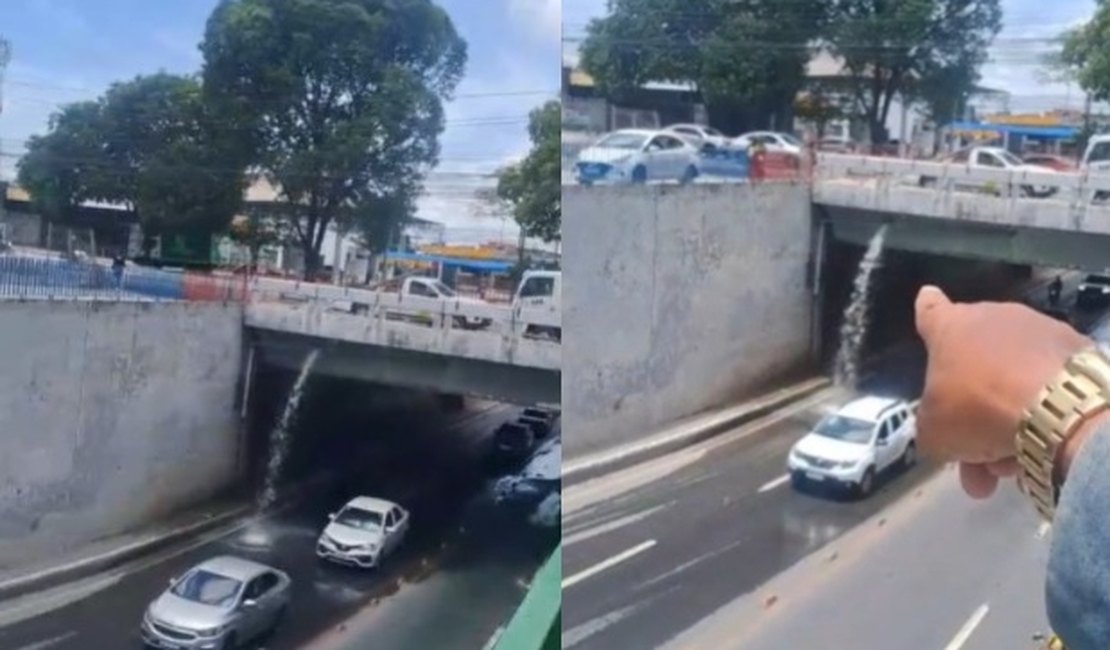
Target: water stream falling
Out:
[280,441]
[857,316]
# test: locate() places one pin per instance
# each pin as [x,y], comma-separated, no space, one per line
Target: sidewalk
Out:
[112,552]
[688,431]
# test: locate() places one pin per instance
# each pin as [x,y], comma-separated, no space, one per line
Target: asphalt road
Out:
[935,571]
[652,550]
[458,539]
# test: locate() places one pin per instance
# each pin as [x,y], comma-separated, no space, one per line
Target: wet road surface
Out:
[937,570]
[652,550]
[443,492]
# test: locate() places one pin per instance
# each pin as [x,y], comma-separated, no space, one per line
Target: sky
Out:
[70,50]
[1026,23]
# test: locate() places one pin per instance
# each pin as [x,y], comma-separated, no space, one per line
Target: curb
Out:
[84,567]
[114,558]
[694,431]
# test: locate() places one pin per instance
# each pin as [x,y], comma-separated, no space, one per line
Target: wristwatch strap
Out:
[1078,393]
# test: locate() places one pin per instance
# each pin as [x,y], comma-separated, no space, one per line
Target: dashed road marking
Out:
[770,485]
[605,564]
[968,629]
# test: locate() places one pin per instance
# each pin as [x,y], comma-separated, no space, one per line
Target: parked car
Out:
[700,135]
[540,421]
[637,156]
[835,144]
[1093,292]
[992,158]
[219,604]
[770,141]
[536,490]
[1059,163]
[853,446]
[363,532]
[512,442]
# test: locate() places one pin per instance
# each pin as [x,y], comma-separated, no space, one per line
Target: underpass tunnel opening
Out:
[420,449]
[892,354]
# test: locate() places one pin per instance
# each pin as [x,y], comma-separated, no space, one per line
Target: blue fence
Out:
[55,278]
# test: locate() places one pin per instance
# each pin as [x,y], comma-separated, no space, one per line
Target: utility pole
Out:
[5,57]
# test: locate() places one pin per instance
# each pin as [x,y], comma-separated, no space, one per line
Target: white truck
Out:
[426,287]
[538,305]
[1096,160]
[991,158]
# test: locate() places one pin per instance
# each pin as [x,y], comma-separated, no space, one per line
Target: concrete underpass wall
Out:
[111,414]
[678,299]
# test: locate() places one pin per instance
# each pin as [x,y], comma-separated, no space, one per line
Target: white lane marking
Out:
[966,631]
[49,642]
[770,485]
[605,564]
[611,525]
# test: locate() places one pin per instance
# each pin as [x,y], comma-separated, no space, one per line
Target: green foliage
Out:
[533,186]
[1084,55]
[738,53]
[889,47]
[148,144]
[67,166]
[341,100]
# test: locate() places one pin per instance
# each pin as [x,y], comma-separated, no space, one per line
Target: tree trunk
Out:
[311,261]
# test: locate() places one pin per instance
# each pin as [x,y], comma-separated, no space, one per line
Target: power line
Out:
[17,81]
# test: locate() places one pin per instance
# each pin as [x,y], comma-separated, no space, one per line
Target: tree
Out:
[173,162]
[819,107]
[147,144]
[342,100]
[889,46]
[68,165]
[747,58]
[945,90]
[1083,56]
[533,187]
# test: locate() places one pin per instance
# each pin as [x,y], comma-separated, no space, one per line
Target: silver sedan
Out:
[217,605]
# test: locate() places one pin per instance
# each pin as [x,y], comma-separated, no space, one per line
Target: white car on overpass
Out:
[637,156]
[699,134]
[770,141]
[857,443]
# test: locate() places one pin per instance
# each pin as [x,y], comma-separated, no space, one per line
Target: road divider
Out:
[688,432]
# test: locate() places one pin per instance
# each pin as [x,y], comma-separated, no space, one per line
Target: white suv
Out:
[857,443]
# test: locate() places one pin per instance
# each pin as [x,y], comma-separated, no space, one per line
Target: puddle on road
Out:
[857,315]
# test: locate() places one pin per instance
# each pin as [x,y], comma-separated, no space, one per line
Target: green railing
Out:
[537,623]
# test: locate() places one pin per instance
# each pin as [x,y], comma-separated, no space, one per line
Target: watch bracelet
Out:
[1080,391]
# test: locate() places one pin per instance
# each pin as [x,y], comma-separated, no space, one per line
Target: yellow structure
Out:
[1026,119]
[462,252]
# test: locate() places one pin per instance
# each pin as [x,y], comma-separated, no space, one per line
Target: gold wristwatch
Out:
[1080,392]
